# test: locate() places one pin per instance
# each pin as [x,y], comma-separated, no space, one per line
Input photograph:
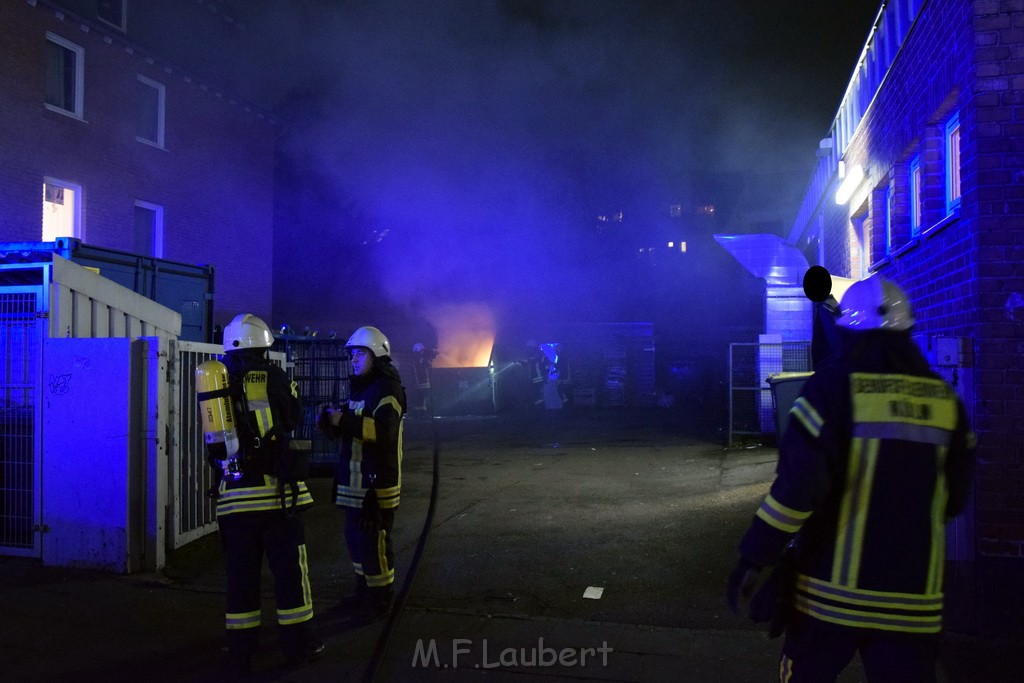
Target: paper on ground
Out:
[593,592]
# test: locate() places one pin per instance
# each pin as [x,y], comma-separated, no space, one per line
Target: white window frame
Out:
[123,27]
[890,206]
[79,103]
[158,226]
[916,176]
[161,102]
[952,144]
[76,216]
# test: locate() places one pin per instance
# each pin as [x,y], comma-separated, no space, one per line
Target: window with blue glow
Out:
[915,197]
[953,163]
[889,208]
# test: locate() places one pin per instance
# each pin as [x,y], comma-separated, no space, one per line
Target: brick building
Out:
[922,180]
[102,141]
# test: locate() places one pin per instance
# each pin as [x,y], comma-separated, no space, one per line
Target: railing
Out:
[892,24]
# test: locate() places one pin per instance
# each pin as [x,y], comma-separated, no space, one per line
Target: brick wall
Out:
[965,274]
[214,176]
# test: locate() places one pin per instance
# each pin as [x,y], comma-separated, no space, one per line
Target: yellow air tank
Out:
[218,415]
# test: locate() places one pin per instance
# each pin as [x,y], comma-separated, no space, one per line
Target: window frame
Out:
[123,26]
[161,106]
[914,188]
[889,197]
[77,228]
[952,139]
[158,226]
[79,93]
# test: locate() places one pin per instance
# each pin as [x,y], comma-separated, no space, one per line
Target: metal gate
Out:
[21,335]
[751,412]
[192,511]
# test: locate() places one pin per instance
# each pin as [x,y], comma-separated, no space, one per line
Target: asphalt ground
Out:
[536,516]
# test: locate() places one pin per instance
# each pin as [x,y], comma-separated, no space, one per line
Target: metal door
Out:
[21,335]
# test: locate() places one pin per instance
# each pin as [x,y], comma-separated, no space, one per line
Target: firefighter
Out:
[369,476]
[876,458]
[257,511]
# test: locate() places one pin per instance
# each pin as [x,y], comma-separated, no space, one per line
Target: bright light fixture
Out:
[854,177]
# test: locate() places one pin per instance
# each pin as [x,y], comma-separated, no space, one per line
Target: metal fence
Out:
[321,369]
[751,411]
[21,335]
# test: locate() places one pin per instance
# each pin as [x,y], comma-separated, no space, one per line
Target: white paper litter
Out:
[593,592]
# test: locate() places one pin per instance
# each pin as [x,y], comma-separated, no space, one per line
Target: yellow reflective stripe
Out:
[777,515]
[903,623]
[785,669]
[294,389]
[389,401]
[940,496]
[369,429]
[355,466]
[241,620]
[388,497]
[380,580]
[853,511]
[903,398]
[258,498]
[869,598]
[808,416]
[297,615]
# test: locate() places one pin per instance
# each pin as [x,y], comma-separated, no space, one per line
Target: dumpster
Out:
[786,387]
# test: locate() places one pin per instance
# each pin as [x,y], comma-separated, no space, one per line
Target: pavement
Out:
[563,546]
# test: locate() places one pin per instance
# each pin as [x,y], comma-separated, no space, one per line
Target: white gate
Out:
[21,335]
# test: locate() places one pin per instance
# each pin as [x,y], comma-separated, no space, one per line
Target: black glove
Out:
[323,422]
[369,520]
[742,582]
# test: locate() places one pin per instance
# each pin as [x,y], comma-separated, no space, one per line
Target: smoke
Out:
[468,146]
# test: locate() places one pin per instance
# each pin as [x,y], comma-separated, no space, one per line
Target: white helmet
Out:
[371,338]
[875,304]
[247,331]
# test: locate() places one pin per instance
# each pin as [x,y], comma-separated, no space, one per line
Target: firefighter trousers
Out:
[817,651]
[246,538]
[371,553]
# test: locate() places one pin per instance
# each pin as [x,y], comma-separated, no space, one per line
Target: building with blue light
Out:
[920,181]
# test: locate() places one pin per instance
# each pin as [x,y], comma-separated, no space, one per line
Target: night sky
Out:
[466,147]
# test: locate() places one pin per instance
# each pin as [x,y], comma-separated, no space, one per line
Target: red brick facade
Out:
[213,178]
[965,272]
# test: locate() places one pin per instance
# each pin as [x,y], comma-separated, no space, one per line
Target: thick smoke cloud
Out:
[471,144]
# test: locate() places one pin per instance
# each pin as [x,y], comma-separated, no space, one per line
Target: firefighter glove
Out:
[369,520]
[742,582]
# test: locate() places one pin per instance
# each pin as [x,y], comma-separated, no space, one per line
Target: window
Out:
[889,208]
[148,234]
[915,197]
[65,75]
[112,12]
[62,209]
[953,163]
[149,111]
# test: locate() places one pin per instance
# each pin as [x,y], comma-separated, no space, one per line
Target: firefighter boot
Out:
[357,600]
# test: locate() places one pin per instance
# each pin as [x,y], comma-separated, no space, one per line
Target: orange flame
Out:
[465,335]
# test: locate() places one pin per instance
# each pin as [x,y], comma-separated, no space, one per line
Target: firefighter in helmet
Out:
[876,458]
[369,475]
[257,508]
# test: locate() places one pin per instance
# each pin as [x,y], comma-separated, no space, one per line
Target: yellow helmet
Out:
[247,331]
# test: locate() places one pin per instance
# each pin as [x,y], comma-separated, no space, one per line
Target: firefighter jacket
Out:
[875,460]
[267,409]
[371,439]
